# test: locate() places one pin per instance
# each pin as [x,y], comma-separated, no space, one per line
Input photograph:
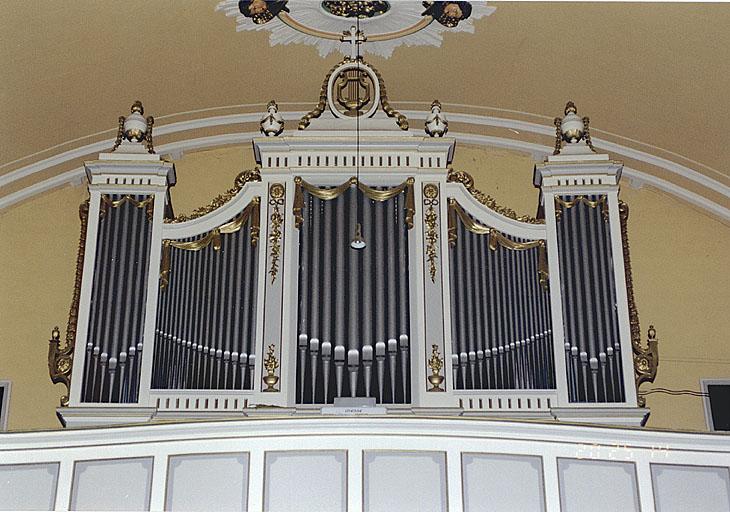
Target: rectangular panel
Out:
[112,484]
[394,480]
[690,488]
[207,482]
[305,480]
[597,485]
[28,486]
[506,483]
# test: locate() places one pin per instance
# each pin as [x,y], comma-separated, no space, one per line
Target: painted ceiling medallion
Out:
[388,25]
[356,9]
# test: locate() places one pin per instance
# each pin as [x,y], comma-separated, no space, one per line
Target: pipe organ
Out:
[206,314]
[501,325]
[353,266]
[353,313]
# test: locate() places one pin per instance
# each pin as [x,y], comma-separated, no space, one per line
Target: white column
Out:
[622,303]
[556,300]
[87,282]
[153,287]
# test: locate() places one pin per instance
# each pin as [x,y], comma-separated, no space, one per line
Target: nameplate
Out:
[352,411]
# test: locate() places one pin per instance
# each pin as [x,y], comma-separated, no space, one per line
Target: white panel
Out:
[494,482]
[28,486]
[305,480]
[207,482]
[121,484]
[404,481]
[597,485]
[684,488]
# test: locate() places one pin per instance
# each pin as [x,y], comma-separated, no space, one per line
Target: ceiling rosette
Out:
[387,25]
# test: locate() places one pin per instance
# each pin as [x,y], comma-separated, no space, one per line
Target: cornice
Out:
[674,170]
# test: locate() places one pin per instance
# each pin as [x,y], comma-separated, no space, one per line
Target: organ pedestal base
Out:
[624,416]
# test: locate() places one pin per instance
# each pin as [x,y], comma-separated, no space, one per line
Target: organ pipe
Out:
[500,339]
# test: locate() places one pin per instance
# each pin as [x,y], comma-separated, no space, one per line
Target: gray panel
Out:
[112,484]
[28,486]
[207,482]
[504,483]
[597,485]
[682,488]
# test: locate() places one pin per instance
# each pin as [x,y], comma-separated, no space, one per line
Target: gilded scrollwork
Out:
[241,180]
[276,202]
[646,359]
[467,181]
[60,359]
[430,203]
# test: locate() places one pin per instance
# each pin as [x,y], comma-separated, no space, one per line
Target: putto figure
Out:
[449,14]
[261,11]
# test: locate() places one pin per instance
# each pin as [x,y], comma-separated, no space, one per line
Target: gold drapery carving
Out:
[248,176]
[385,103]
[327,194]
[496,237]
[212,237]
[60,360]
[646,360]
[564,203]
[465,179]
[107,202]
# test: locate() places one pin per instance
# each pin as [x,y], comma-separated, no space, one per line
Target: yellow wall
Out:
[679,256]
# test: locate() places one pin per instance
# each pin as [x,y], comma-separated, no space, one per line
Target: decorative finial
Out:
[435,363]
[271,364]
[272,123]
[135,130]
[436,123]
[571,130]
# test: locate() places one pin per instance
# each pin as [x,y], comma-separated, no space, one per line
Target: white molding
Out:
[472,119]
[418,427]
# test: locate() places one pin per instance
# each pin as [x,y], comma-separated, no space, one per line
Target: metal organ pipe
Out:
[502,337]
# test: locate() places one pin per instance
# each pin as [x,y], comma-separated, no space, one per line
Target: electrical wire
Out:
[674,392]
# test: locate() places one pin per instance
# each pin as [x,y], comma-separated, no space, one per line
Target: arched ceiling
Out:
[658,74]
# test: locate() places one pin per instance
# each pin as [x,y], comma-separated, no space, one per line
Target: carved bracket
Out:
[646,361]
[60,363]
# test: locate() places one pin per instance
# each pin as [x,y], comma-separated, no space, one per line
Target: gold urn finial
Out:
[135,129]
[435,363]
[56,334]
[571,130]
[271,364]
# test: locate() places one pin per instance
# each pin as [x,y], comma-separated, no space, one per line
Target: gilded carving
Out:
[496,237]
[212,237]
[238,184]
[276,201]
[467,181]
[107,202]
[327,194]
[430,200]
[60,360]
[271,364]
[564,203]
[435,363]
[646,360]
